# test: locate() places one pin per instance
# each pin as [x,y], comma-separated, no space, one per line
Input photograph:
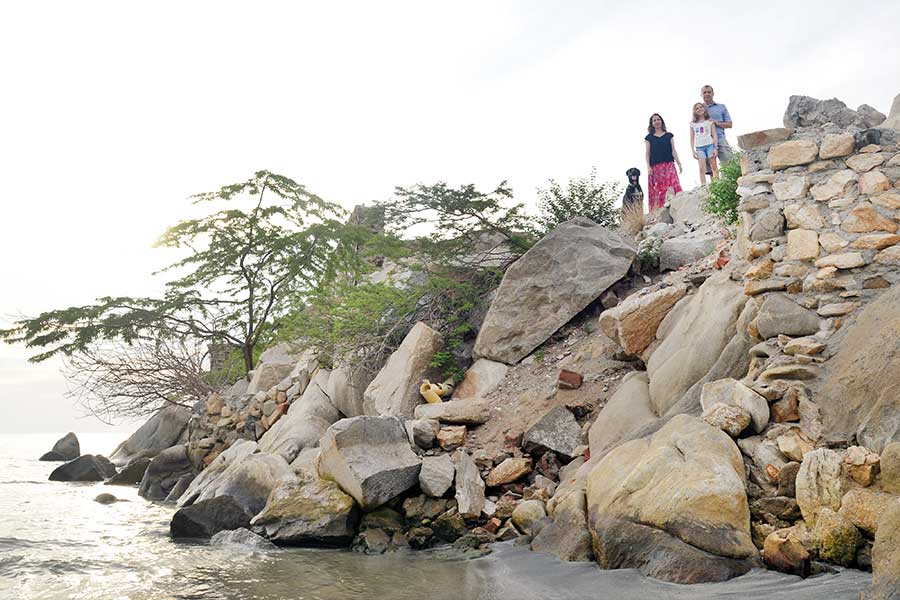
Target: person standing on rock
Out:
[703,141]
[719,115]
[661,159]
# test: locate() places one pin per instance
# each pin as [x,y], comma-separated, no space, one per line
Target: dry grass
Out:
[632,219]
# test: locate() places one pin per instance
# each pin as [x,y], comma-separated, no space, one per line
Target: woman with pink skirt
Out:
[661,160]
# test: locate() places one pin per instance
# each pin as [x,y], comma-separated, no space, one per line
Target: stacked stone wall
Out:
[819,213]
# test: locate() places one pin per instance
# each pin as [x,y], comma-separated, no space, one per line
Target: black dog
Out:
[634,195]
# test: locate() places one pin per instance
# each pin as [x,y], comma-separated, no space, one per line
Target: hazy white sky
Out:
[113,113]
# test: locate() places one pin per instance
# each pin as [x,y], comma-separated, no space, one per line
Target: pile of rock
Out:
[378,483]
[790,352]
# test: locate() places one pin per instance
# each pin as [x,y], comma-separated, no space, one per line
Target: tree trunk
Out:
[247,352]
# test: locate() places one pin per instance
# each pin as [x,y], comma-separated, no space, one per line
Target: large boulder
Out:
[694,336]
[308,510]
[346,388]
[557,431]
[805,111]
[890,468]
[527,514]
[633,323]
[395,390]
[864,507]
[166,428]
[551,283]
[819,483]
[835,538]
[305,422]
[567,536]
[859,394]
[436,476]
[66,448]
[679,251]
[687,207]
[273,366]
[886,558]
[893,120]
[207,518]
[131,474]
[779,315]
[238,451]
[481,378]
[369,458]
[164,472]
[87,467]
[672,505]
[268,375]
[472,411]
[469,485]
[784,552]
[249,481]
[180,488]
[734,393]
[627,410]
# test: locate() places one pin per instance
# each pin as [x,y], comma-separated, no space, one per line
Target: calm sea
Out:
[57,543]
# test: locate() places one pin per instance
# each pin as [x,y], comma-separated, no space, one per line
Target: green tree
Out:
[457,219]
[450,247]
[582,197]
[268,242]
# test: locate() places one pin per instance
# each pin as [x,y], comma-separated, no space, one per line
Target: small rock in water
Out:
[66,448]
[107,499]
[243,538]
[371,541]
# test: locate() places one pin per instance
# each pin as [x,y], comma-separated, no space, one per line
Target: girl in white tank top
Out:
[703,141]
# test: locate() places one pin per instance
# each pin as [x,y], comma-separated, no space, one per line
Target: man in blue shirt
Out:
[718,113]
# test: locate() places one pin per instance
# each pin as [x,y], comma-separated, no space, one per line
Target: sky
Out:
[113,113]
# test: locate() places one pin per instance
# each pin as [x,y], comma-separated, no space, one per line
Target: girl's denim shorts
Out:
[705,151]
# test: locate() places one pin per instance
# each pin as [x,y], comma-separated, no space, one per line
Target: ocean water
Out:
[57,543]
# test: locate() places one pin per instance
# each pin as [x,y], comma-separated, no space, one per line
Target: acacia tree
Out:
[451,245]
[268,243]
[459,218]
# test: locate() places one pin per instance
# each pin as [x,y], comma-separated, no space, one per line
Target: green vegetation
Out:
[648,252]
[271,261]
[440,278]
[265,242]
[723,199]
[582,197]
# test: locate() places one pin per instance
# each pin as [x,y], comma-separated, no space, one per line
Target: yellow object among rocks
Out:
[433,392]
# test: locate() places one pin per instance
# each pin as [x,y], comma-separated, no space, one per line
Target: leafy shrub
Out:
[582,197]
[722,200]
[648,252]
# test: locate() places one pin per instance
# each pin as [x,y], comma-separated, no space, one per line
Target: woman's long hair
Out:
[650,129]
[694,112]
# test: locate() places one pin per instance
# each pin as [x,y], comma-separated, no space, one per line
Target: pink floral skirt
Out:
[660,181]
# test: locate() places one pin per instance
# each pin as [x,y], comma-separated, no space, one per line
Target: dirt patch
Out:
[530,387]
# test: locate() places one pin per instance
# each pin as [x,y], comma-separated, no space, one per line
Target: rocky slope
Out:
[734,410]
